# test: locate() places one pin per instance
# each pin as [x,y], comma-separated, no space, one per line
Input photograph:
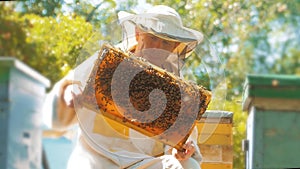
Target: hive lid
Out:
[283,87]
[9,62]
[216,116]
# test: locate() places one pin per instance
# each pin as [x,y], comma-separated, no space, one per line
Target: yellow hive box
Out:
[215,139]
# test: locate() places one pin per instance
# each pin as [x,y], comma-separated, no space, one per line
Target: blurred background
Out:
[250,37]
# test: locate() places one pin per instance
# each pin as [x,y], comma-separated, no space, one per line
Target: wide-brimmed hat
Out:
[163,22]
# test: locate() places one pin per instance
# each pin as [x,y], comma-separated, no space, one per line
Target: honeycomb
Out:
[120,85]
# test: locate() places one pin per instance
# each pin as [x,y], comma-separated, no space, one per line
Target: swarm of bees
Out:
[121,87]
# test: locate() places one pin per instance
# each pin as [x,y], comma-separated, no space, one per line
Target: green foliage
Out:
[41,7]
[98,15]
[59,40]
[48,40]
[13,37]
[243,32]
[49,45]
[250,36]
[239,131]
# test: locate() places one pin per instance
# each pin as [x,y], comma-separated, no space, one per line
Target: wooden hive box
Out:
[215,139]
[22,92]
[273,124]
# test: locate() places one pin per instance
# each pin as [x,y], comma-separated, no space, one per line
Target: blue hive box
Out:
[22,91]
[273,125]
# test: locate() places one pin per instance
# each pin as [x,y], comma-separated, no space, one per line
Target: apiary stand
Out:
[273,124]
[22,91]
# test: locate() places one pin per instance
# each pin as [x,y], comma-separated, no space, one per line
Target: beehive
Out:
[216,140]
[273,123]
[121,88]
[22,92]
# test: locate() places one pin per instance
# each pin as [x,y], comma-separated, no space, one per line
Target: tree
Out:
[98,13]
[13,36]
[40,7]
[49,40]
[250,37]
[49,45]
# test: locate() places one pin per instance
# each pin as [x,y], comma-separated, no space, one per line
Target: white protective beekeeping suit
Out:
[99,144]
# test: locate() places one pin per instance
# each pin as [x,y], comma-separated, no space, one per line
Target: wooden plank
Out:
[216,153]
[211,153]
[215,139]
[215,128]
[276,139]
[275,104]
[227,153]
[220,120]
[216,165]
